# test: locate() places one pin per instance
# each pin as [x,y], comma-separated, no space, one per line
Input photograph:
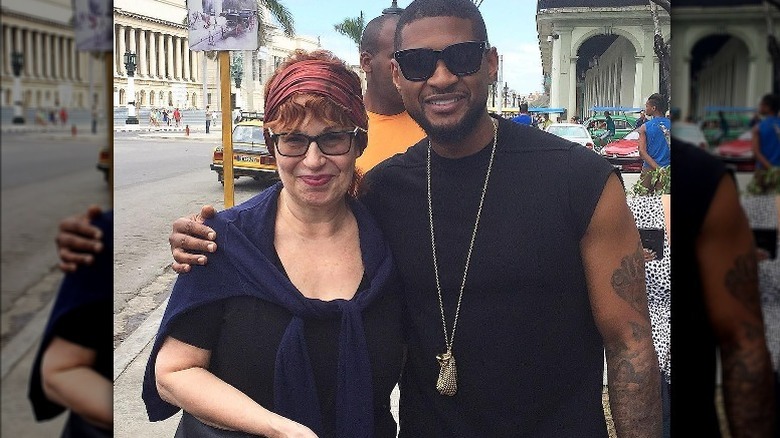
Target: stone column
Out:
[639,99]
[152,43]
[132,47]
[7,49]
[122,50]
[143,65]
[571,108]
[161,56]
[29,59]
[186,52]
[178,64]
[751,97]
[56,49]
[555,73]
[169,63]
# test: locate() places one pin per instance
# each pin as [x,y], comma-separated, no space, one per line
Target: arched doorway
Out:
[718,74]
[606,73]
[151,98]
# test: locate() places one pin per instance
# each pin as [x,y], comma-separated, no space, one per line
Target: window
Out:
[208,98]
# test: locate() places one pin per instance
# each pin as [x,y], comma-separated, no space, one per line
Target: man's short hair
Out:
[658,101]
[772,102]
[465,9]
[523,107]
[369,41]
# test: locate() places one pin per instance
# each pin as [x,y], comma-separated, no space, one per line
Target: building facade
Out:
[599,52]
[168,74]
[719,55]
[54,74]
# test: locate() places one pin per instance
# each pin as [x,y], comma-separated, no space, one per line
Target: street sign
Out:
[222,24]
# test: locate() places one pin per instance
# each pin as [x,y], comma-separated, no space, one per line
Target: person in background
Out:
[63,116]
[642,119]
[177,116]
[654,140]
[390,129]
[766,134]
[716,305]
[724,127]
[546,122]
[523,118]
[610,124]
[208,119]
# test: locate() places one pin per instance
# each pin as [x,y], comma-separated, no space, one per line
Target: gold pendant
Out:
[447,383]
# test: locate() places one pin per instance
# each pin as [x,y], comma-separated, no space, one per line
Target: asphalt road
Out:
[156,181]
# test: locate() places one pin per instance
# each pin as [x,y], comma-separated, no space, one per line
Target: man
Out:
[523,118]
[391,130]
[642,118]
[177,116]
[610,126]
[208,119]
[546,123]
[557,273]
[654,139]
[766,135]
[724,127]
[716,305]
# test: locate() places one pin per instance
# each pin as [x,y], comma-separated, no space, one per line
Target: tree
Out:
[352,28]
[662,50]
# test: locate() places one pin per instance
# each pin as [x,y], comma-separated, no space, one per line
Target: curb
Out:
[134,344]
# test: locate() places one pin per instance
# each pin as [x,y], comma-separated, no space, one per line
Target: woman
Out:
[294,330]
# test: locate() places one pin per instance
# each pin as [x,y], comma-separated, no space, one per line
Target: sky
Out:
[514,38]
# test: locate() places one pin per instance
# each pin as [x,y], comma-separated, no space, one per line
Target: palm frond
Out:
[283,15]
[352,28]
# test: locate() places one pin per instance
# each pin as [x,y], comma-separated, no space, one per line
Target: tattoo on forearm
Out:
[742,281]
[747,384]
[633,374]
[628,280]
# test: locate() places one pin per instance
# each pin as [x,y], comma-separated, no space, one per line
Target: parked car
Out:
[597,126]
[572,132]
[624,153]
[738,153]
[690,133]
[250,154]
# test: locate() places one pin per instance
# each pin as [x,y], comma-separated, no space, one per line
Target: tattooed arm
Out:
[614,265]
[727,260]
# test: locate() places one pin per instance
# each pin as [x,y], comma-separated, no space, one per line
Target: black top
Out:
[529,357]
[243,334]
[697,175]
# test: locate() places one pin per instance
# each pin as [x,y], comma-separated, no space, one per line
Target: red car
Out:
[624,153]
[738,152]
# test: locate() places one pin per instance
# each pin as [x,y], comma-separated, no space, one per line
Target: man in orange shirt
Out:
[390,129]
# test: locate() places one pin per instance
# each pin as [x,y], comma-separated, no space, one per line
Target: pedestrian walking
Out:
[208,119]
[177,116]
[523,118]
[63,116]
[654,140]
[766,140]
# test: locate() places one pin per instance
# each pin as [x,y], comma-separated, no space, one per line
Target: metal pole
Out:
[500,85]
[108,60]
[227,122]
[92,100]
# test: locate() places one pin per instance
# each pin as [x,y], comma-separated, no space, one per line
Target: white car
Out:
[572,132]
[689,133]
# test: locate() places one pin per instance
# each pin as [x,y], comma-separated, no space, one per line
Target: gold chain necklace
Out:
[447,383]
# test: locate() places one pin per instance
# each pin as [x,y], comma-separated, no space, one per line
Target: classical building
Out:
[598,52]
[719,54]
[168,74]
[54,74]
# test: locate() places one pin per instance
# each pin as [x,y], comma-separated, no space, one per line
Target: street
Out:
[45,177]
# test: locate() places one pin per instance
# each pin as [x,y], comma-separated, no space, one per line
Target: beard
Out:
[452,133]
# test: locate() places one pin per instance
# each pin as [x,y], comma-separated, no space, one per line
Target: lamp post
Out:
[393,9]
[130,66]
[17,62]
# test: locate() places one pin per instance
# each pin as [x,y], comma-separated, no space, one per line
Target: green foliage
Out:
[765,182]
[660,182]
[352,28]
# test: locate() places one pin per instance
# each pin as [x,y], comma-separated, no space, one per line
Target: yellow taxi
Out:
[250,154]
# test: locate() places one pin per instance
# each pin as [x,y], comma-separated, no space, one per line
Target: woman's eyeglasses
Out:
[461,59]
[330,143]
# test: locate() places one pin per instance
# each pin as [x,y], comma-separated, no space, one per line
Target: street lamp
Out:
[393,9]
[130,66]
[17,62]
[506,93]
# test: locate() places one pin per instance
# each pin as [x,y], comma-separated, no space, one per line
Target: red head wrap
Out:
[314,76]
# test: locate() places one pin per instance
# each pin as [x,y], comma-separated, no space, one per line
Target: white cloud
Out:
[341,46]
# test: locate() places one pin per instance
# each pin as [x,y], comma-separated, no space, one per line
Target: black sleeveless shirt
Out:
[528,354]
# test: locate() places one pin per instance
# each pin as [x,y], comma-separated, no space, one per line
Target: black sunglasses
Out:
[461,59]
